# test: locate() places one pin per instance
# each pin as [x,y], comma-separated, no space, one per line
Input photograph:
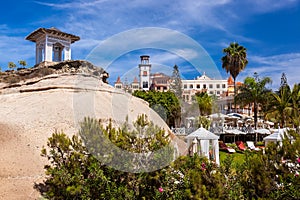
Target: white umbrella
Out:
[237,115]
[262,131]
[269,123]
[235,132]
[190,118]
[218,116]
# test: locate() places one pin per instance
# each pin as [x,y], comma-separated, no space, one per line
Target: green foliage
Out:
[176,85]
[11,65]
[280,105]
[205,103]
[254,91]
[166,104]
[234,61]
[22,63]
[76,173]
[203,122]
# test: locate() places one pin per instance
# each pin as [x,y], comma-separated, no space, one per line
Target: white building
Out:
[203,84]
[144,69]
[52,45]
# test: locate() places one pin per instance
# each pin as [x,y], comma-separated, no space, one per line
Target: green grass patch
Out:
[238,157]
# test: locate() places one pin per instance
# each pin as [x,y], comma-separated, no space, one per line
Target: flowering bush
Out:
[73,173]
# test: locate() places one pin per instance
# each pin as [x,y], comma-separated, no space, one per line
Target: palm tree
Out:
[280,105]
[295,100]
[204,103]
[234,61]
[253,91]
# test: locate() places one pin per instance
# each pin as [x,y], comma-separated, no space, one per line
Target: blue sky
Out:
[269,29]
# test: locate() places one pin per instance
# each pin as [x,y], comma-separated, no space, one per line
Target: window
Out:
[185,86]
[191,86]
[223,85]
[211,92]
[118,86]
[218,92]
[145,73]
[204,86]
[198,86]
[218,85]
[145,84]
[210,86]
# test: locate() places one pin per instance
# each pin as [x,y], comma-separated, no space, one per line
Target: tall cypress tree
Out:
[176,85]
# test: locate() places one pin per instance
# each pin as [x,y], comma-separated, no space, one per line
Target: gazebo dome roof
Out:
[202,134]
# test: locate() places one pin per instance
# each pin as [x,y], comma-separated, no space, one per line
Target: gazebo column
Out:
[48,51]
[67,53]
[215,148]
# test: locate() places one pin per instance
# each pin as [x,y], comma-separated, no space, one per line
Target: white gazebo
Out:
[202,141]
[52,45]
[277,136]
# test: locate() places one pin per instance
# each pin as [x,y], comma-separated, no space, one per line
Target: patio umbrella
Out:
[235,132]
[217,116]
[262,131]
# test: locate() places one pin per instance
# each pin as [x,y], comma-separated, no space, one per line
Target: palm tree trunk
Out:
[234,95]
[255,119]
[255,115]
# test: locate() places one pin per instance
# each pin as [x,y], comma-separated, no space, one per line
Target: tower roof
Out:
[230,80]
[135,80]
[54,31]
[118,80]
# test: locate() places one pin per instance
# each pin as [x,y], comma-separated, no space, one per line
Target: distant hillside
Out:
[38,103]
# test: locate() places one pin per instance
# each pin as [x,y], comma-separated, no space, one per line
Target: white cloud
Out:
[264,6]
[15,49]
[273,66]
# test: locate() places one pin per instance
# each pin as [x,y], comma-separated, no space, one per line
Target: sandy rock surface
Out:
[30,113]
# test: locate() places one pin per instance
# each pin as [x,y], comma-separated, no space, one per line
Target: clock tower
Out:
[145,68]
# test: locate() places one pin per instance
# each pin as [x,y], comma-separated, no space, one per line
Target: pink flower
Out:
[160,189]
[203,166]
[297,174]
[298,160]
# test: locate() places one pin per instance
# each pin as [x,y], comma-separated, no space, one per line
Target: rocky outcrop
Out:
[39,104]
[12,78]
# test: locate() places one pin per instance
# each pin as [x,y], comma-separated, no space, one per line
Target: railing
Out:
[179,131]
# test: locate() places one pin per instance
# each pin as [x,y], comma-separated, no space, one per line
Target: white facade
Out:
[144,73]
[52,45]
[201,84]
[51,49]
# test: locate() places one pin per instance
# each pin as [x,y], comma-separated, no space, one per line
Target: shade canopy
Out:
[262,131]
[205,143]
[202,134]
[234,131]
[218,116]
[276,136]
